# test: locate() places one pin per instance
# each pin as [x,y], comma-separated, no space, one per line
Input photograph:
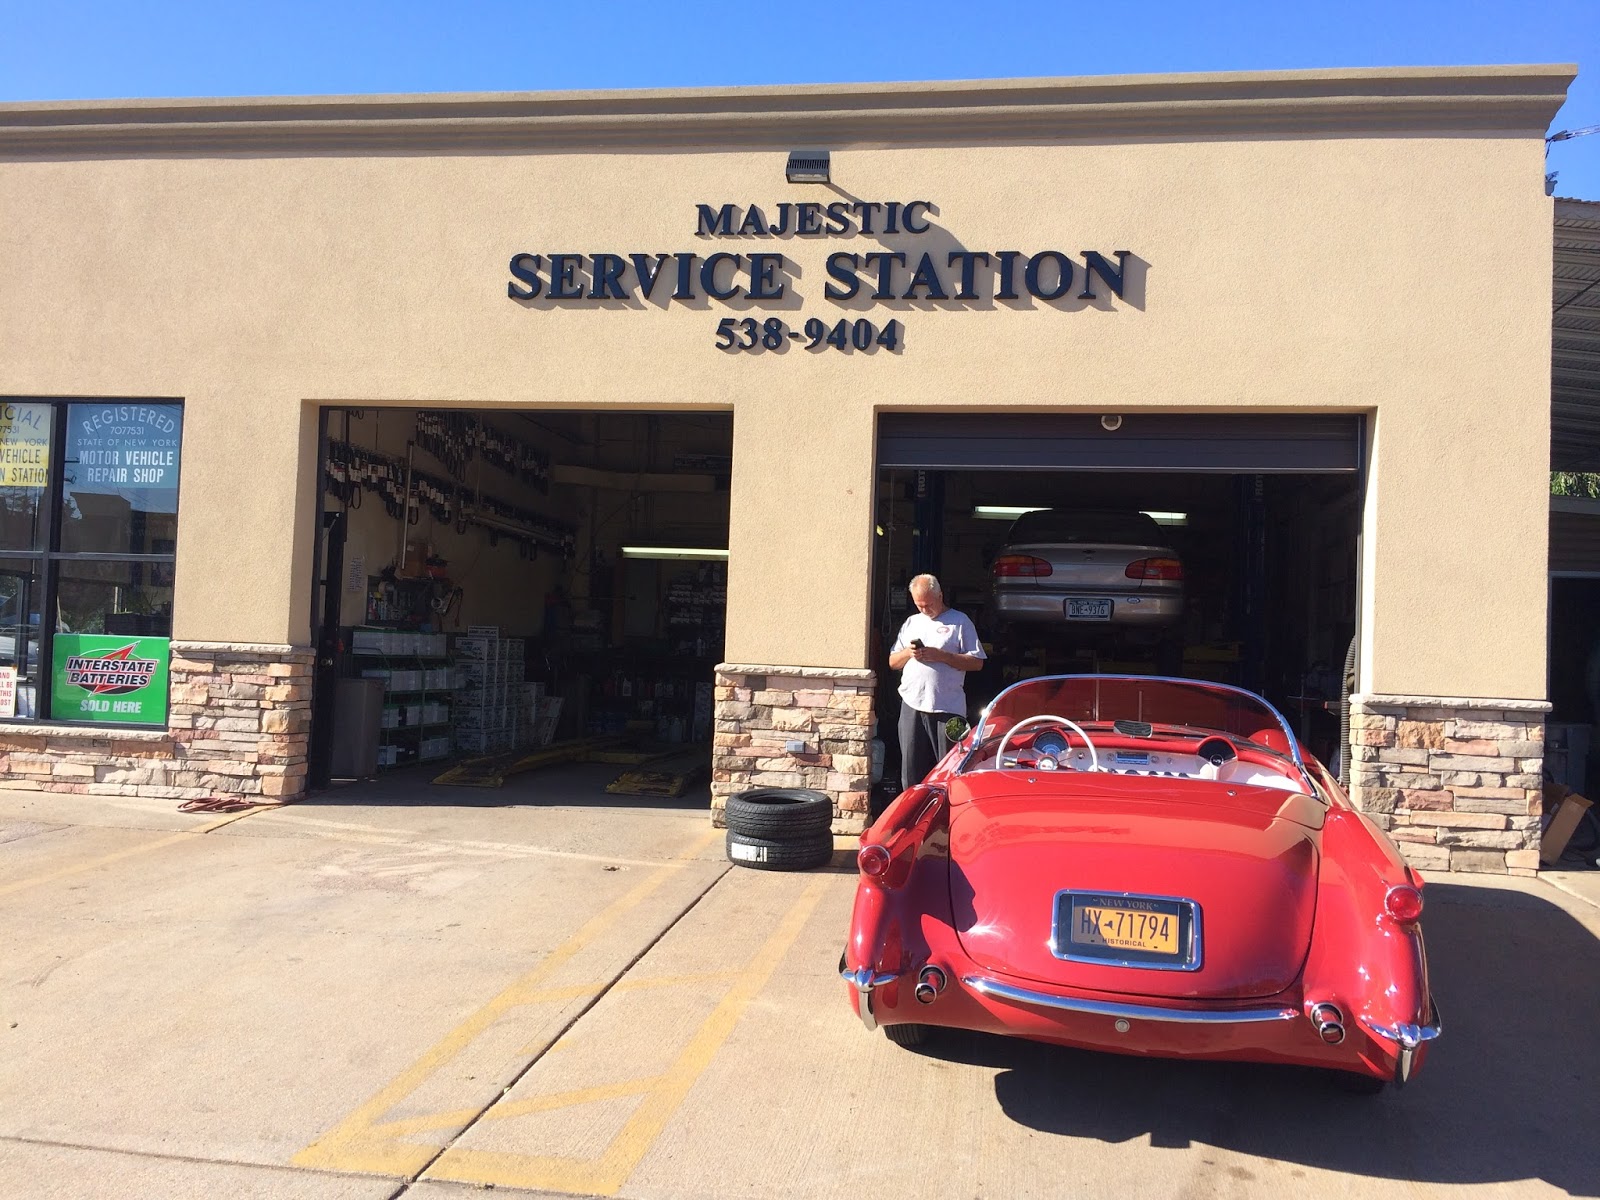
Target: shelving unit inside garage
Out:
[419,684]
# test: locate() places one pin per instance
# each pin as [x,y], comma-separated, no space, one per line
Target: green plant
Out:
[1582,484]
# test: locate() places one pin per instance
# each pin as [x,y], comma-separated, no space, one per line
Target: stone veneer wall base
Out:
[761,708]
[238,725]
[1456,781]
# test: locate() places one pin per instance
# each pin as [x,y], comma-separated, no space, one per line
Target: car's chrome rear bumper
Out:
[1130,1012]
[1407,1038]
[1127,608]
[864,980]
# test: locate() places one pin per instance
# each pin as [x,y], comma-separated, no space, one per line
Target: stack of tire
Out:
[780,829]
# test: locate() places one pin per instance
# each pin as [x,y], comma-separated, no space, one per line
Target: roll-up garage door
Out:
[1574,537]
[1232,443]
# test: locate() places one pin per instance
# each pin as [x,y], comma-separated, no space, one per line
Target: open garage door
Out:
[1211,444]
[526,605]
[1237,538]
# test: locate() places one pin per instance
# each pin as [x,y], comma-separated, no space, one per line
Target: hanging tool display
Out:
[336,476]
[450,438]
[406,493]
[351,470]
[456,438]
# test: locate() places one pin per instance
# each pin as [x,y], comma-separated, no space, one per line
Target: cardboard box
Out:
[1558,833]
[473,649]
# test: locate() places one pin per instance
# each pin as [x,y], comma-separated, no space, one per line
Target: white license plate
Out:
[1088,610]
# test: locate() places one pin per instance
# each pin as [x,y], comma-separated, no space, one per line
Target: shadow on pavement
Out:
[1507,1094]
[575,785]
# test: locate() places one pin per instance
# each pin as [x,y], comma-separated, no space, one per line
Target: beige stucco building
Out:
[1232,259]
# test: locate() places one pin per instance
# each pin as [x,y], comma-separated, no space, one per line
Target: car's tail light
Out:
[1155,568]
[873,861]
[1404,903]
[1024,566]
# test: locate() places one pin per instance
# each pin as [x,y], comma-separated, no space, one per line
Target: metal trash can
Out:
[357,720]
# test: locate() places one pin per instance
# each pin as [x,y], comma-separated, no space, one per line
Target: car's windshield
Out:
[1175,707]
[1087,526]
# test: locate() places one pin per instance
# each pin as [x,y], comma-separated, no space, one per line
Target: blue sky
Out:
[62,49]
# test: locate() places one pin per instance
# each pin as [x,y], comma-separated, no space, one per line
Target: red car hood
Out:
[1246,855]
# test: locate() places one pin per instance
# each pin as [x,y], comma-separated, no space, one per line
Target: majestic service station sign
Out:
[952,276]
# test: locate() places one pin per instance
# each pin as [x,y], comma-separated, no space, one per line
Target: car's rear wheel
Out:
[906,1035]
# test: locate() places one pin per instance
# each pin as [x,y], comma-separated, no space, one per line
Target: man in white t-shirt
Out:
[935,649]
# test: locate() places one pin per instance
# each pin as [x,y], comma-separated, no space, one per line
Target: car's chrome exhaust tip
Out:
[930,982]
[1329,1022]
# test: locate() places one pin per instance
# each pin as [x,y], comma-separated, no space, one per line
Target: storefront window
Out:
[88,535]
[120,479]
[25,431]
[21,600]
[118,598]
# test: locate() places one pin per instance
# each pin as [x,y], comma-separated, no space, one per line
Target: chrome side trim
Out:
[1138,1012]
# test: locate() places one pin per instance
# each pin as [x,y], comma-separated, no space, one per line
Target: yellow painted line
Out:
[105,860]
[606,1175]
[661,981]
[355,1144]
[507,1109]
[548,995]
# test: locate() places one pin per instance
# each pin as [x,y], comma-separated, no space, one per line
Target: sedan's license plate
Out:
[1088,610]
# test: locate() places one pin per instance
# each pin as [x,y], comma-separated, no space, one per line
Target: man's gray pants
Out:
[923,742]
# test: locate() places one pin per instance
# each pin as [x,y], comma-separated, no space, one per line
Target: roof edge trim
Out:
[1518,100]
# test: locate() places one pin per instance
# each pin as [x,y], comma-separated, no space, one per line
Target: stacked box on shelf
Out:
[485,705]
[696,609]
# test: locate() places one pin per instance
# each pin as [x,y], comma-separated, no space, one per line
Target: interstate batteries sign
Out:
[110,679]
[894,254]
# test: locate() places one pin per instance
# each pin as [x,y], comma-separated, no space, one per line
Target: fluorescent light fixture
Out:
[1000,512]
[673,552]
[1167,518]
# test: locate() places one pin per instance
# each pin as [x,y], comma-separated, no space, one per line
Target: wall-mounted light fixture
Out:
[703,553]
[1001,512]
[807,166]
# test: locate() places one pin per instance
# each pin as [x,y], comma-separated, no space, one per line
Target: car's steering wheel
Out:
[1041,719]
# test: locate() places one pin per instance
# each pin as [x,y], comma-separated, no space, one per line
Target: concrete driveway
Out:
[348,998]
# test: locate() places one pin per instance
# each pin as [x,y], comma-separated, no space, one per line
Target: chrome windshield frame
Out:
[1200,684]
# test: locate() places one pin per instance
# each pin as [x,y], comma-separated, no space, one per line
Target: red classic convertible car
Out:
[1145,866]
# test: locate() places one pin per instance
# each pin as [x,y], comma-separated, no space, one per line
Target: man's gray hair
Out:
[928,582]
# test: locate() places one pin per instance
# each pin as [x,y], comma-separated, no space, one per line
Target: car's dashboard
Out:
[1212,758]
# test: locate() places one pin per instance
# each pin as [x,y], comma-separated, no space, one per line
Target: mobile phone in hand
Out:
[917,644]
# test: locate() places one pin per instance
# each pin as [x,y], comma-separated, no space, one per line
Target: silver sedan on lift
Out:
[1088,568]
